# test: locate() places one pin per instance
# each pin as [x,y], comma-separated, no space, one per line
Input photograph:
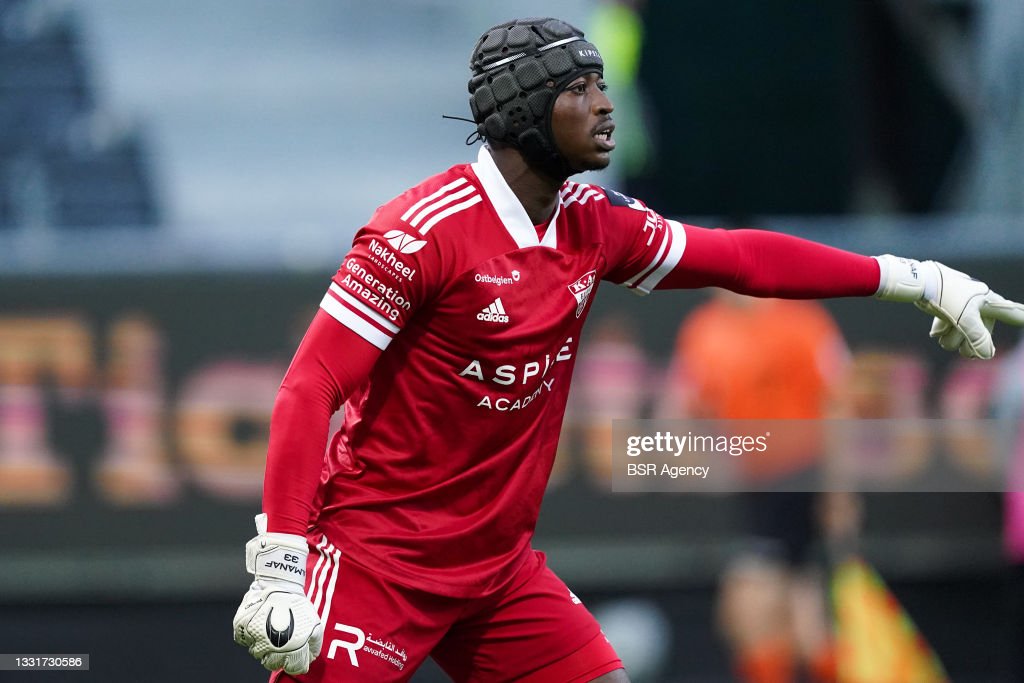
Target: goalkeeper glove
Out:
[965,309]
[276,621]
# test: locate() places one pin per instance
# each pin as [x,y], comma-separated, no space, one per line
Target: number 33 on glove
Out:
[276,621]
[965,309]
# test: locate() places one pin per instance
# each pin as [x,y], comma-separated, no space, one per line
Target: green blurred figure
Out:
[617,27]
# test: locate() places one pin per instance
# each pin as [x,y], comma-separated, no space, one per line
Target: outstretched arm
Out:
[771,264]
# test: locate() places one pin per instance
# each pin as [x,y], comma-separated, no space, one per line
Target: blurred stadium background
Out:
[178,181]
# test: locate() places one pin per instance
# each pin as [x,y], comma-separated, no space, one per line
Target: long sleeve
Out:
[330,363]
[770,264]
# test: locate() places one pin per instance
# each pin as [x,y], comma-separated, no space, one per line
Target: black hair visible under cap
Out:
[519,68]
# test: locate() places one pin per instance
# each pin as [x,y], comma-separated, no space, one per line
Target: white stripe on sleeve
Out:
[352,321]
[649,278]
[475,199]
[364,309]
[444,201]
[450,186]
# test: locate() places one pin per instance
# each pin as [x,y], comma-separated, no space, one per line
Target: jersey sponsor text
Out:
[386,258]
[499,280]
[507,375]
[385,299]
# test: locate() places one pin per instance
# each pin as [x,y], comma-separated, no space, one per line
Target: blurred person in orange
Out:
[741,358]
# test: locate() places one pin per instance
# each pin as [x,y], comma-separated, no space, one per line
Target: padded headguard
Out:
[519,68]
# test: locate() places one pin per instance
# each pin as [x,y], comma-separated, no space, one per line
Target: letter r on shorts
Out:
[352,647]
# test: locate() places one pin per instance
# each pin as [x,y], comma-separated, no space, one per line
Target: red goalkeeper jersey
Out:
[436,476]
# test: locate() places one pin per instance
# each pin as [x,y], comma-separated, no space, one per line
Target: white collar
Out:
[510,211]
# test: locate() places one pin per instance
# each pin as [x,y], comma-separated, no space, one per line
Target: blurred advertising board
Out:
[134,413]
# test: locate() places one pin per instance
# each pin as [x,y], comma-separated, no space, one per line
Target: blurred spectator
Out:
[883,440]
[878,438]
[617,26]
[743,358]
[965,402]
[880,442]
[612,381]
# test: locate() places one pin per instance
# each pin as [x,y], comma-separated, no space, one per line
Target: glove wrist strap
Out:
[907,280]
[277,556]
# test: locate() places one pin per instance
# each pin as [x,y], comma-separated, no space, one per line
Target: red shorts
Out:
[375,631]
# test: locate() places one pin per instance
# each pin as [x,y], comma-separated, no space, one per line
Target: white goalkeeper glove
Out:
[965,309]
[276,621]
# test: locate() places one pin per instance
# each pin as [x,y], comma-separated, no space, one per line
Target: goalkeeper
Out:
[449,335]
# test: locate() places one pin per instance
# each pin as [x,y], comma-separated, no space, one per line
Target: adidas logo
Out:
[495,313]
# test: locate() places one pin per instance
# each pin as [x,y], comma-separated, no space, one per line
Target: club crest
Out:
[581,289]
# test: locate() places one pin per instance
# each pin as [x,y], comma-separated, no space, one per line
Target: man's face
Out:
[582,125]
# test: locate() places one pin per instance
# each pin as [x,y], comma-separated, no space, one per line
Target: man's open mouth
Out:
[603,135]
